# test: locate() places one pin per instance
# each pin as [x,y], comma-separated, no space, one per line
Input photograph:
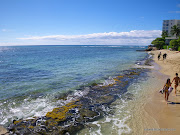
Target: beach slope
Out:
[167,114]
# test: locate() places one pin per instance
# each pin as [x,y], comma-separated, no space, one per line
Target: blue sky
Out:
[78,22]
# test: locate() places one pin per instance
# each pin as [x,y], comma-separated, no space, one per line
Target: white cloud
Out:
[142,17]
[4,30]
[134,37]
[177,12]
[110,35]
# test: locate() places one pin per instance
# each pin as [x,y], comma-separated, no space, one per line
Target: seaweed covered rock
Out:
[60,114]
[71,117]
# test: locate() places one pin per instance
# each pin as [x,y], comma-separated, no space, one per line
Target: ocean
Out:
[36,79]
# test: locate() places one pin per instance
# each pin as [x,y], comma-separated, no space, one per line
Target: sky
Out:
[84,22]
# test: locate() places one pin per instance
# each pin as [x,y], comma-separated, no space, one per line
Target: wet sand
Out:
[166,114]
[3,131]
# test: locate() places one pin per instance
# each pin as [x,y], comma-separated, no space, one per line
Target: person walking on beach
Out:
[164,56]
[166,87]
[177,81]
[159,55]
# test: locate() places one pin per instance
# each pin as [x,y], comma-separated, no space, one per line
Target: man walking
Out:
[177,81]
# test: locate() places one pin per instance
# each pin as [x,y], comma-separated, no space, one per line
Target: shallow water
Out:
[97,102]
[129,116]
[31,78]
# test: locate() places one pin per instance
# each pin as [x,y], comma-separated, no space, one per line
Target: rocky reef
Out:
[70,118]
[149,48]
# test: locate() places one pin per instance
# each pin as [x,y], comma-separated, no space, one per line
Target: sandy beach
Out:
[166,114]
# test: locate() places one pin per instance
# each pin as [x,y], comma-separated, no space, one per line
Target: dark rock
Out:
[149,49]
[70,118]
[148,62]
[128,96]
[107,99]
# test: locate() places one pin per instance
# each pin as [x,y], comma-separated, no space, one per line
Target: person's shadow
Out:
[173,103]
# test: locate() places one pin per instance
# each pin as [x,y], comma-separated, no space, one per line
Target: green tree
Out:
[175,30]
[158,42]
[164,34]
[178,41]
[174,44]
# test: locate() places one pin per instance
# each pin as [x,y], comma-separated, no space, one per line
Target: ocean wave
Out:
[2,49]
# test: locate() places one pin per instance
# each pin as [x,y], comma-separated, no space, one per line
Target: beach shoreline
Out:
[123,77]
[164,113]
[150,113]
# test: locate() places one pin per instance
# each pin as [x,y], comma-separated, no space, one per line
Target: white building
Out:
[167,24]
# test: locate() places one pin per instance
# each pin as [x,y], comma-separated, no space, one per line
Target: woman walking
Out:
[166,87]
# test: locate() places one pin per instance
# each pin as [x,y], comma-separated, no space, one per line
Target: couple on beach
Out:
[164,56]
[167,87]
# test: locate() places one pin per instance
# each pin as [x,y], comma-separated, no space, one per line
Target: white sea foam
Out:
[38,107]
[143,66]
[107,82]
[75,95]
[122,127]
[111,124]
[98,131]
[28,109]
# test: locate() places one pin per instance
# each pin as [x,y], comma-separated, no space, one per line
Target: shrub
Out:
[170,46]
[159,42]
[179,48]
[165,47]
[174,44]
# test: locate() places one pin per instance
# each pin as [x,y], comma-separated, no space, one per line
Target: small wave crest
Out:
[28,109]
[2,49]
[111,124]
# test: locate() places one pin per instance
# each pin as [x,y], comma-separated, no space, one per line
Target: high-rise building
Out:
[167,24]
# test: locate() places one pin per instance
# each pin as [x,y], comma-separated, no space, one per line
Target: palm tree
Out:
[175,30]
[164,34]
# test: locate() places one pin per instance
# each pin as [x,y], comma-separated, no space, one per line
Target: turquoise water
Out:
[31,77]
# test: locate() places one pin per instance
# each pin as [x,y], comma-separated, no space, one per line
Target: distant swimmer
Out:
[166,87]
[177,81]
